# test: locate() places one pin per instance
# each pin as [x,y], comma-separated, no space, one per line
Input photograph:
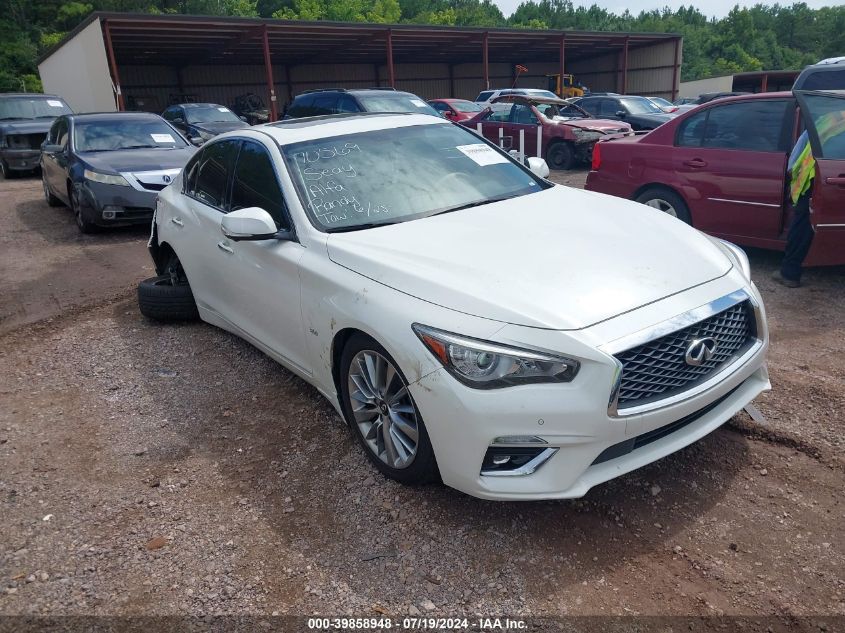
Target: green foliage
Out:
[767,37]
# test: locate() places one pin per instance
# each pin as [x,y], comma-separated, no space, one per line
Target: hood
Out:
[26,126]
[138,159]
[218,127]
[560,259]
[606,126]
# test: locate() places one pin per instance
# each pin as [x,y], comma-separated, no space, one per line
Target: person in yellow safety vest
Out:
[801,169]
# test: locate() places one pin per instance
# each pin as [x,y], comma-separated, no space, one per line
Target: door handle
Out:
[177,221]
[224,246]
[695,162]
[836,180]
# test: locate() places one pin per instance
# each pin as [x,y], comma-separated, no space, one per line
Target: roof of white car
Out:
[310,128]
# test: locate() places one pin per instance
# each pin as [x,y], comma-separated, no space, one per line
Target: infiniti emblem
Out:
[700,350]
[166,179]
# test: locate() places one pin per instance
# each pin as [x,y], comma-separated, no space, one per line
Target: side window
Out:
[347,104]
[214,168]
[590,105]
[324,104]
[189,181]
[53,134]
[301,106]
[500,113]
[609,107]
[691,131]
[440,106]
[484,95]
[62,132]
[755,125]
[169,114]
[523,115]
[255,183]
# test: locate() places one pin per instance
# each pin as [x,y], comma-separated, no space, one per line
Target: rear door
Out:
[731,165]
[523,126]
[824,116]
[494,126]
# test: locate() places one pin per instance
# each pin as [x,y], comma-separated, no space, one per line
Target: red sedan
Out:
[455,109]
[722,169]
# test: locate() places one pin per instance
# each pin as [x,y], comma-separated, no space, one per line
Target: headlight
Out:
[107,179]
[586,135]
[736,255]
[485,365]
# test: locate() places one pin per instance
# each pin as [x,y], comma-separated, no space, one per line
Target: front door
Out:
[824,116]
[523,128]
[731,161]
[494,126]
[261,278]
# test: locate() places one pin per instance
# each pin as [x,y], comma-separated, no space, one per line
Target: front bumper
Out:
[115,205]
[592,446]
[21,159]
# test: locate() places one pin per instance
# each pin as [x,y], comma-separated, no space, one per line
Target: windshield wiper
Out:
[359,227]
[15,118]
[477,203]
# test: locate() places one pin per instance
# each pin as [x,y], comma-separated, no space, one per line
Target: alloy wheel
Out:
[384,411]
[662,205]
[46,188]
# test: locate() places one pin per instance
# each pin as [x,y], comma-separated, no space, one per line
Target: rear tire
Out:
[160,299]
[560,155]
[52,200]
[666,201]
[396,441]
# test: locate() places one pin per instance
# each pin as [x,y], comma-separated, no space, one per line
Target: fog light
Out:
[110,212]
[511,461]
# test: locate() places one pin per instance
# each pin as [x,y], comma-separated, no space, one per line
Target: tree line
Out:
[761,37]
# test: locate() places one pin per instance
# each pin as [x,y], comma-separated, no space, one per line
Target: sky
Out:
[717,8]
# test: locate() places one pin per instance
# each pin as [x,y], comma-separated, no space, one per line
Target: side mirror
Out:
[178,121]
[51,148]
[538,166]
[244,119]
[252,223]
[621,114]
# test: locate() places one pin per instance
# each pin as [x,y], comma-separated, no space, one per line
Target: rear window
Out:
[822,80]
[484,96]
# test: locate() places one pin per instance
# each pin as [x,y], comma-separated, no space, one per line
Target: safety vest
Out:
[804,168]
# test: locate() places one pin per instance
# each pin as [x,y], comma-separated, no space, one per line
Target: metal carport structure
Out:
[166,54]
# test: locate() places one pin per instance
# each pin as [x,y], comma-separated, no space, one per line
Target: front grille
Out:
[658,369]
[26,141]
[152,186]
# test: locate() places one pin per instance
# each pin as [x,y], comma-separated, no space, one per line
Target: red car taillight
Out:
[596,157]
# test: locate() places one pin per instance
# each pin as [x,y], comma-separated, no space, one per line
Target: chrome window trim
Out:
[526,469]
[669,326]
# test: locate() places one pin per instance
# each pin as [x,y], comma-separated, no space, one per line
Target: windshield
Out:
[32,108]
[210,114]
[103,136]
[392,102]
[640,106]
[465,106]
[388,176]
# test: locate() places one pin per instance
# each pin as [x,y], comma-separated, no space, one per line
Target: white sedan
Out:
[470,320]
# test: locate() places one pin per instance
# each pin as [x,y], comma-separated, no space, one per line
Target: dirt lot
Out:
[147,469]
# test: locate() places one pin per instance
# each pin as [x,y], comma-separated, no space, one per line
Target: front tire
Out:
[161,299]
[379,408]
[85,225]
[666,201]
[560,156]
[5,172]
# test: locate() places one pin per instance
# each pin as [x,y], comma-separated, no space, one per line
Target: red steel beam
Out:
[485,60]
[268,65]
[391,75]
[625,68]
[764,86]
[562,62]
[115,77]
[676,68]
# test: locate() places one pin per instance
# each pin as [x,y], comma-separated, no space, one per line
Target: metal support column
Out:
[485,60]
[625,68]
[391,73]
[562,68]
[676,73]
[115,77]
[268,66]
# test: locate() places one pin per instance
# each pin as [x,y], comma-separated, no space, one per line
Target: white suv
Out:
[469,319]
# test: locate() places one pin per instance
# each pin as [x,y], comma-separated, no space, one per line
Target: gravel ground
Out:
[149,469]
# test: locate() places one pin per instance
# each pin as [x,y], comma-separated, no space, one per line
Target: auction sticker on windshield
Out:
[162,138]
[54,104]
[481,154]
